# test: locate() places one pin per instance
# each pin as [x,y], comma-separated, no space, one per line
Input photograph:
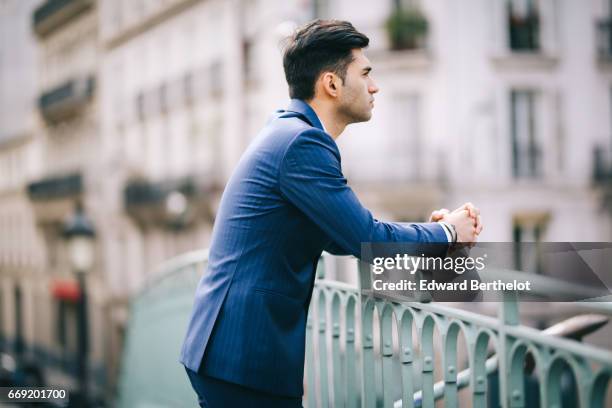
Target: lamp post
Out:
[79,235]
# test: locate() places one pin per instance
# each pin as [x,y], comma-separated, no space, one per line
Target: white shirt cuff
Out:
[447,230]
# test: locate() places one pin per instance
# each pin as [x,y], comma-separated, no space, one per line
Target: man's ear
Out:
[330,84]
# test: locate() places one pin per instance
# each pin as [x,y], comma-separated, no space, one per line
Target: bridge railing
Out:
[369,349]
[365,349]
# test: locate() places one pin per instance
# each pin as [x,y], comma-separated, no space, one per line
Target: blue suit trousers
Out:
[215,393]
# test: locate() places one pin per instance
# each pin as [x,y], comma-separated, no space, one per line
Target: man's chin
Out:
[367,117]
[363,117]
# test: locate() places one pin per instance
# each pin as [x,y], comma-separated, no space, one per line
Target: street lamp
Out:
[79,234]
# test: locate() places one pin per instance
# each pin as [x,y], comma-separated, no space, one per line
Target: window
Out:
[526,151]
[604,38]
[247,60]
[523,25]
[528,232]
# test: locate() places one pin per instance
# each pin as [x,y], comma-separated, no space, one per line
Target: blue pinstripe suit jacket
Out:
[286,202]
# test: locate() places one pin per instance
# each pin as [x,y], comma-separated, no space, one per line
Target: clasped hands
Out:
[466,220]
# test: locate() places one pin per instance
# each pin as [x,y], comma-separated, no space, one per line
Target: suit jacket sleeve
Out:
[311,179]
[335,249]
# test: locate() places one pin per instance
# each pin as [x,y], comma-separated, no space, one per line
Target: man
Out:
[285,203]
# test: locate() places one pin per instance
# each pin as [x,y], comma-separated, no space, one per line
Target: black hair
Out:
[319,46]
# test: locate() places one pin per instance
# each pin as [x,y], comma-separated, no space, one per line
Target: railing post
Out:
[368,385]
[509,316]
[322,349]
[365,277]
[386,346]
[352,377]
[337,374]
[311,392]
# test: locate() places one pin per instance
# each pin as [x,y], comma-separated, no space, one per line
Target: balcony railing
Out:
[354,358]
[604,39]
[65,100]
[56,187]
[54,13]
[171,203]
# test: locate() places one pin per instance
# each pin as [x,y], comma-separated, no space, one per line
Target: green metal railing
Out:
[383,350]
[365,349]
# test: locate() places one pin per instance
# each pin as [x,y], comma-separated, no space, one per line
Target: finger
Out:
[442,212]
[473,210]
[476,211]
[466,206]
[438,214]
[479,225]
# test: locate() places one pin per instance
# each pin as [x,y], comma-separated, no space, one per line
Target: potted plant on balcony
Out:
[406,29]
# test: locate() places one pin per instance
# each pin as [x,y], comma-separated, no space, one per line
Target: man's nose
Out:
[373,88]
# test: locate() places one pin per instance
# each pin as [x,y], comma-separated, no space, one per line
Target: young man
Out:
[286,202]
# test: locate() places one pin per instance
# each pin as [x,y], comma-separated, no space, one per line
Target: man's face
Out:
[356,99]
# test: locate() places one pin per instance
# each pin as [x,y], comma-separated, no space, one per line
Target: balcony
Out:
[169,203]
[604,40]
[406,29]
[67,99]
[55,13]
[56,187]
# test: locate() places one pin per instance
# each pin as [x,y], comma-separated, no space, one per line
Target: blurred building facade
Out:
[21,263]
[64,173]
[142,109]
